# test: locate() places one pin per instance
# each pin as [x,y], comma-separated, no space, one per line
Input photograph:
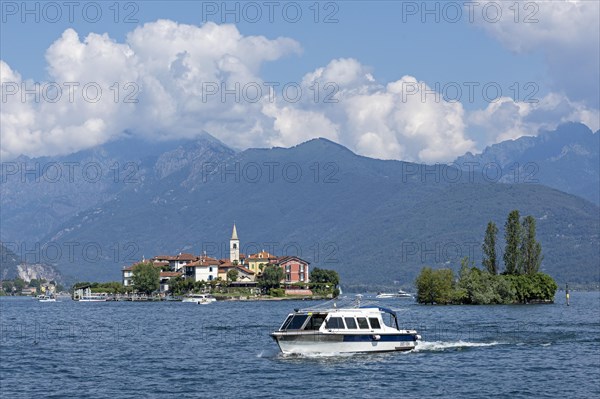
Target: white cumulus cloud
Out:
[506,119]
[566,32]
[170,80]
[165,80]
[393,121]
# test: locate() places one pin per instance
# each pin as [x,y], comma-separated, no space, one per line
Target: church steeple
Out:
[234,246]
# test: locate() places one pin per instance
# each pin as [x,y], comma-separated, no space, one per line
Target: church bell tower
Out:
[234,246]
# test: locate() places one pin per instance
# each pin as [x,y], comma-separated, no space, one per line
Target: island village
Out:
[240,276]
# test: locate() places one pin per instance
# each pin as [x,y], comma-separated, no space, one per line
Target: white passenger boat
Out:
[367,328]
[201,299]
[399,294]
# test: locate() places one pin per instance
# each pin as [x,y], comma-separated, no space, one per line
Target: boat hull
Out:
[344,343]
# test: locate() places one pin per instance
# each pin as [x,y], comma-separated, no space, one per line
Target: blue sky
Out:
[373,51]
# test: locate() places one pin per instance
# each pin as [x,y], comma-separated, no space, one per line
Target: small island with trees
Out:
[520,281]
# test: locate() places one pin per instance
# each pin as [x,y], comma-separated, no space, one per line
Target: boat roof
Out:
[347,304]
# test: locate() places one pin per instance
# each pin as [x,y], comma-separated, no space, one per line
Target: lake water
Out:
[222,350]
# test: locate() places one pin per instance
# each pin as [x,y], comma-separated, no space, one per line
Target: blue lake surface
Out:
[223,350]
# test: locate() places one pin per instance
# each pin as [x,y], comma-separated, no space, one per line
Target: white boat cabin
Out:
[360,320]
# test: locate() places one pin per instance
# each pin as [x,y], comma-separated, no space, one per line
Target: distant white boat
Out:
[399,294]
[46,298]
[201,299]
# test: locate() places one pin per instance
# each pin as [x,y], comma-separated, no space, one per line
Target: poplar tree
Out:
[490,261]
[512,236]
[531,249]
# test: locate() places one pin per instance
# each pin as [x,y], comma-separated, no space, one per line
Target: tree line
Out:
[520,282]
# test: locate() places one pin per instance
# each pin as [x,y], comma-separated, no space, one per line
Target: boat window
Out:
[374,323]
[389,320]
[315,322]
[335,323]
[362,322]
[350,322]
[286,322]
[297,322]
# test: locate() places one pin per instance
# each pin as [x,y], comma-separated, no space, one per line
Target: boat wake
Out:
[422,346]
[436,346]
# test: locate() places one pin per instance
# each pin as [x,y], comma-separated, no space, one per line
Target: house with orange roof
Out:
[204,268]
[257,262]
[244,274]
[178,262]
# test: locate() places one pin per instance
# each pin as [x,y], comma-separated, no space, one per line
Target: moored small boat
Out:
[201,299]
[46,298]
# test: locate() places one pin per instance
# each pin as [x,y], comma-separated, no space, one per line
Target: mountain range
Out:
[374,221]
[567,159]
